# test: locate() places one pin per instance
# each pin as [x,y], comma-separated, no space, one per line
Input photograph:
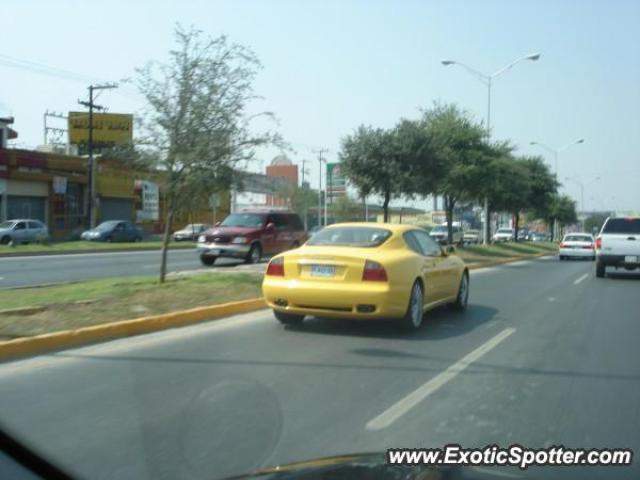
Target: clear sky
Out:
[332,65]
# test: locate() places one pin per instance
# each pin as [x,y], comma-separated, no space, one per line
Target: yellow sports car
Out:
[365,270]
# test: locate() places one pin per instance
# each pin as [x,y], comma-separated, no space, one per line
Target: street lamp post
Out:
[581,185]
[555,152]
[488,80]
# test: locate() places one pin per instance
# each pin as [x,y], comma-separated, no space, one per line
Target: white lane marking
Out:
[582,278]
[552,299]
[403,406]
[129,345]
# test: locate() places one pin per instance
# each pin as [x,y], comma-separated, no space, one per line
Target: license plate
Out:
[630,259]
[323,271]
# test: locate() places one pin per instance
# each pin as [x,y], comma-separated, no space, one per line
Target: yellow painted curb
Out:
[39,344]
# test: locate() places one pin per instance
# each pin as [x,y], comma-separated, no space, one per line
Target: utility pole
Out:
[91,197]
[304,197]
[320,160]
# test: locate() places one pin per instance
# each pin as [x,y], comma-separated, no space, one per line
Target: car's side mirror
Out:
[270,227]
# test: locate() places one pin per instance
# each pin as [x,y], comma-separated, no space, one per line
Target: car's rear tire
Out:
[462,299]
[254,255]
[207,260]
[600,270]
[6,240]
[412,320]
[288,318]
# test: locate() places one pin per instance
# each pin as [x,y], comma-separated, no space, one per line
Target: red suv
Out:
[251,234]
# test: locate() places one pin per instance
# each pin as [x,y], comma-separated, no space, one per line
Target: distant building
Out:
[281,167]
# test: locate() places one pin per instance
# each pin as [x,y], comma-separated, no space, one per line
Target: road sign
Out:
[214,200]
[336,182]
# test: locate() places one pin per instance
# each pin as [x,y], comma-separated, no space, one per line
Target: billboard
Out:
[108,128]
[336,182]
[147,200]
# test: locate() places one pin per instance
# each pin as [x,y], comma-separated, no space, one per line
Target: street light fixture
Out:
[487,80]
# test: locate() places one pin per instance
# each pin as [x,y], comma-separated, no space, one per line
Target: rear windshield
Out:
[350,237]
[622,225]
[578,238]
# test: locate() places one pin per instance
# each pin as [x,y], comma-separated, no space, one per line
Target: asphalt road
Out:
[37,270]
[546,355]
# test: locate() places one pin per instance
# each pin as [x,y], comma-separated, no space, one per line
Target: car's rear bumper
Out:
[577,252]
[335,300]
[609,260]
[223,250]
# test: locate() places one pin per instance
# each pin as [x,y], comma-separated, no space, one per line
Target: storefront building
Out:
[53,188]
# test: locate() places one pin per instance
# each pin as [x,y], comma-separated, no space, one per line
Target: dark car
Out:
[113,231]
[251,234]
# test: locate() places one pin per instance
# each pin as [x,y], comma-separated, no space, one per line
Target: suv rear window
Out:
[350,237]
[622,225]
[578,238]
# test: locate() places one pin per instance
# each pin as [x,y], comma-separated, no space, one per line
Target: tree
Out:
[511,187]
[345,209]
[461,155]
[196,126]
[562,209]
[369,161]
[594,222]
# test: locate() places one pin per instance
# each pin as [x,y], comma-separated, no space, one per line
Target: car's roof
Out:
[394,227]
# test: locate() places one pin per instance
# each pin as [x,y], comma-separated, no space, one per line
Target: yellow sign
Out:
[108,128]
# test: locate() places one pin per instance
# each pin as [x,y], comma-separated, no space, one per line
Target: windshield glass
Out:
[106,225]
[7,224]
[350,237]
[622,225]
[578,238]
[251,220]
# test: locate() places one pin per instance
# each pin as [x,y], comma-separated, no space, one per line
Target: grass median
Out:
[83,246]
[94,302]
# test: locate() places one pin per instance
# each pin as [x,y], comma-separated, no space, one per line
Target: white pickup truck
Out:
[618,244]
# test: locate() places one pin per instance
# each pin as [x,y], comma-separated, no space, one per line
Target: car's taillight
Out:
[374,272]
[598,243]
[276,267]
[562,245]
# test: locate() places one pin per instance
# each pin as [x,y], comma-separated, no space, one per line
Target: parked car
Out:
[365,271]
[113,231]
[23,231]
[537,237]
[441,235]
[503,235]
[472,236]
[190,232]
[577,245]
[618,244]
[251,234]
[523,234]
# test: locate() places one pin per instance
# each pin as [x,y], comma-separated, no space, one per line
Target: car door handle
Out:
[631,238]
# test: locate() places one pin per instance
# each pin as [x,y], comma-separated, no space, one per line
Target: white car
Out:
[503,235]
[471,236]
[618,244]
[577,245]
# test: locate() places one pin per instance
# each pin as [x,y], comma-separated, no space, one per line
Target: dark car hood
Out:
[371,466]
[374,466]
